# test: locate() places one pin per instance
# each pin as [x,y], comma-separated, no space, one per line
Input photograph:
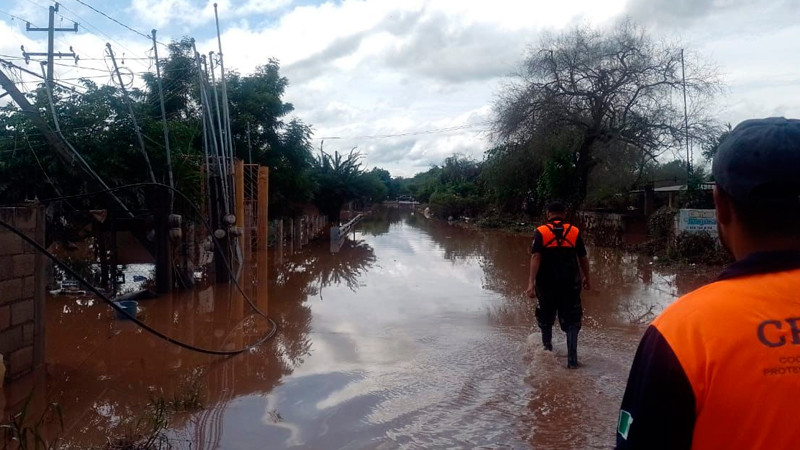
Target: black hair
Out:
[556,207]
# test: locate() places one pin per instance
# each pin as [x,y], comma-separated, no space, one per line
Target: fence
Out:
[291,235]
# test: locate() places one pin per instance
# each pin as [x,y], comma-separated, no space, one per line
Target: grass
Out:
[149,431]
[189,395]
[23,434]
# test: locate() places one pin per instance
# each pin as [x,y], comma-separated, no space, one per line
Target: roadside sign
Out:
[697,221]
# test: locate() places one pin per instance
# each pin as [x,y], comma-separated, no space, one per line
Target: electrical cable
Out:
[194,208]
[17,18]
[99,31]
[118,22]
[409,133]
[122,310]
[49,180]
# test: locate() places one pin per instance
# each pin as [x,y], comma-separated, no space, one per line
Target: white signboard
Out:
[697,220]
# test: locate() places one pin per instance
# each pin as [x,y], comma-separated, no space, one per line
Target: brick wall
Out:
[22,292]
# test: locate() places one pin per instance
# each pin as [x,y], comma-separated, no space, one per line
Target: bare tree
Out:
[616,85]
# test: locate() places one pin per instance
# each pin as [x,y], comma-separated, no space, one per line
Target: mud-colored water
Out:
[415,334]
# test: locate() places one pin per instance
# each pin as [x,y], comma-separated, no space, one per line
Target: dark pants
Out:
[564,302]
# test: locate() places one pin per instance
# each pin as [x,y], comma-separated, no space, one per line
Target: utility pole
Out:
[249,144]
[686,122]
[225,110]
[51,29]
[133,116]
[164,122]
[35,116]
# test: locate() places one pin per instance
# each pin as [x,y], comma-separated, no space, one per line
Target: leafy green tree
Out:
[423,184]
[339,178]
[510,175]
[710,148]
[262,131]
[395,186]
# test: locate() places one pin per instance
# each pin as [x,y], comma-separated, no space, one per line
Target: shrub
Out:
[447,204]
[699,247]
[661,223]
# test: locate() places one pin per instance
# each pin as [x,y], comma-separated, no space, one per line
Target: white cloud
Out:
[171,12]
[361,68]
[365,68]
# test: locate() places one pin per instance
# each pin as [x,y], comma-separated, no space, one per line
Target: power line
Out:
[89,24]
[118,22]
[17,17]
[70,271]
[9,64]
[409,133]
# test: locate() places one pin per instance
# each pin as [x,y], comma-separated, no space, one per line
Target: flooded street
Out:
[415,334]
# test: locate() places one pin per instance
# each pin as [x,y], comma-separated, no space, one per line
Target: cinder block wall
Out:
[22,292]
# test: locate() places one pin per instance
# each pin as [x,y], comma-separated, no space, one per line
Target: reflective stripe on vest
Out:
[558,234]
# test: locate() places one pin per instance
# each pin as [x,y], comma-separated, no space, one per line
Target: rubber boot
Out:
[547,338]
[572,349]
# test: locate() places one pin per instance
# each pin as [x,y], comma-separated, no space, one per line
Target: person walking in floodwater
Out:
[559,267]
[720,367]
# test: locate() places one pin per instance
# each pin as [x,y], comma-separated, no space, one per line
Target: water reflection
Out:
[415,334]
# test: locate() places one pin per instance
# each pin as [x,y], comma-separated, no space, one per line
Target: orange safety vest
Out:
[736,343]
[558,235]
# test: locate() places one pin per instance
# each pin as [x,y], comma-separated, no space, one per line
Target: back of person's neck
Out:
[765,245]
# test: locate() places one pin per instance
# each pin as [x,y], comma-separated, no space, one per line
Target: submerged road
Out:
[415,334]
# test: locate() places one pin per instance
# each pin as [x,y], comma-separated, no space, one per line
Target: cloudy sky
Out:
[410,82]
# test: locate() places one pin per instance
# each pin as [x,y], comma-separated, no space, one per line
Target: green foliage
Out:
[395,186]
[604,86]
[340,179]
[661,224]
[710,148]
[695,196]
[454,189]
[189,394]
[98,124]
[699,248]
[558,178]
[510,175]
[449,204]
[148,432]
[422,185]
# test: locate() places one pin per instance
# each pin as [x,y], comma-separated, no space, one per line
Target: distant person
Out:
[559,267]
[720,367]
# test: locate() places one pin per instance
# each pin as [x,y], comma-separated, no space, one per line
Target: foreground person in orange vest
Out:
[558,259]
[720,367]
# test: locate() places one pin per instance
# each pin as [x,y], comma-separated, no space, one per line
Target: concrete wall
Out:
[22,292]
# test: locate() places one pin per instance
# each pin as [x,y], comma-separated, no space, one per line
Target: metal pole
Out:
[249,144]
[133,116]
[686,121]
[210,121]
[222,164]
[164,122]
[225,109]
[204,111]
[51,44]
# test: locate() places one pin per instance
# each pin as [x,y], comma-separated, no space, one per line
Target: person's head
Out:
[556,210]
[757,192]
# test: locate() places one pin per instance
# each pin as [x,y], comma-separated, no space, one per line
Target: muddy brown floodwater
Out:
[416,334]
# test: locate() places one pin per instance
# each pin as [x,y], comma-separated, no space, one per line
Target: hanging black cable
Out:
[121,310]
[194,208]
